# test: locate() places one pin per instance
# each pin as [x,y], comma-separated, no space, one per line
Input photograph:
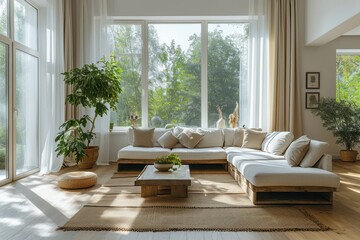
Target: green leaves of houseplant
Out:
[342,118]
[172,158]
[95,86]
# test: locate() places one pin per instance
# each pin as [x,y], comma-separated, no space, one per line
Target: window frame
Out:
[204,23]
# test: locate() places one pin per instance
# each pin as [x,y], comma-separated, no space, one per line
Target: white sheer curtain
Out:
[92,44]
[52,93]
[254,109]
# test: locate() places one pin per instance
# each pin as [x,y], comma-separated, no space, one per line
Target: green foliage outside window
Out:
[174,76]
[348,78]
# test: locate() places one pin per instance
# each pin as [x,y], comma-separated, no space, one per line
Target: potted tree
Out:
[342,118]
[96,86]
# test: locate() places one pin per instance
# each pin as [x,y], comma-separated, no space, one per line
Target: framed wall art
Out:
[312,100]
[312,80]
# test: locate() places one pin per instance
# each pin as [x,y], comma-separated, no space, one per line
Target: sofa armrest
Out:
[325,162]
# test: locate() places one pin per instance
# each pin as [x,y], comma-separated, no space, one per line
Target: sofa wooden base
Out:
[122,162]
[283,194]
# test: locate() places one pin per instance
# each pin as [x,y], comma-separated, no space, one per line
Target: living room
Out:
[32,205]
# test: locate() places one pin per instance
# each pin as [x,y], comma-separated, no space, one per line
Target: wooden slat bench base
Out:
[122,162]
[283,194]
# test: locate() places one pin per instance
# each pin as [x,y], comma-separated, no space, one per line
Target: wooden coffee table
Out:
[151,180]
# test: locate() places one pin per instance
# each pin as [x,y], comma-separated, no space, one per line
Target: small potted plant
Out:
[96,86]
[342,118]
[165,163]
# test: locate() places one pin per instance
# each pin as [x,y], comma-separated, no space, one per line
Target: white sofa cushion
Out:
[279,173]
[167,140]
[130,152]
[248,154]
[297,150]
[200,153]
[325,162]
[316,150]
[212,138]
[277,142]
[253,139]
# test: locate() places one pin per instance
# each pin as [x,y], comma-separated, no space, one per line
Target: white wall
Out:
[321,59]
[328,19]
[177,7]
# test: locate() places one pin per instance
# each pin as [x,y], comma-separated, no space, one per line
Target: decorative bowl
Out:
[163,166]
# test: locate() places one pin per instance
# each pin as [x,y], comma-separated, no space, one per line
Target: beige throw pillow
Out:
[228,136]
[297,150]
[212,138]
[189,138]
[167,140]
[253,139]
[143,137]
[238,137]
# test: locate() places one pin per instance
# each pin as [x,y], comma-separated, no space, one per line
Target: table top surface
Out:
[151,174]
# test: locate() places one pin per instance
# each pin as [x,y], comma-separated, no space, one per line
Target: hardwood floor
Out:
[33,207]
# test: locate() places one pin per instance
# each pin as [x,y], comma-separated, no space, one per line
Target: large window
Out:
[19,73]
[3,111]
[128,46]
[4,16]
[174,75]
[25,18]
[227,59]
[179,73]
[348,75]
[26,112]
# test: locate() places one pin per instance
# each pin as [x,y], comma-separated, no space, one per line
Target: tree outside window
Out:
[348,75]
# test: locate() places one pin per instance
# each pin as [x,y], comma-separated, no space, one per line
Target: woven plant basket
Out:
[348,156]
[92,154]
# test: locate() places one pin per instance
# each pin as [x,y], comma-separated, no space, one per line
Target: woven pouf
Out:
[76,180]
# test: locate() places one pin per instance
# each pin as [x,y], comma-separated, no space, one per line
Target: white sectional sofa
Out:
[262,163]
[209,151]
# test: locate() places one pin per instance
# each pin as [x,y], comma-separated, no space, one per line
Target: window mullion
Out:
[144,76]
[204,74]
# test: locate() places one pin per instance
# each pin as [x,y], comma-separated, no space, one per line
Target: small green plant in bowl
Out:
[164,163]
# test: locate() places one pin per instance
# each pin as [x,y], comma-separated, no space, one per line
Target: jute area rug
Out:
[215,203]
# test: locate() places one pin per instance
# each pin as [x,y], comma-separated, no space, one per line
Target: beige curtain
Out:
[69,59]
[69,49]
[285,100]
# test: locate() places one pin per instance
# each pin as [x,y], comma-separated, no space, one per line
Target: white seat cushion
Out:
[279,173]
[200,153]
[235,157]
[130,152]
